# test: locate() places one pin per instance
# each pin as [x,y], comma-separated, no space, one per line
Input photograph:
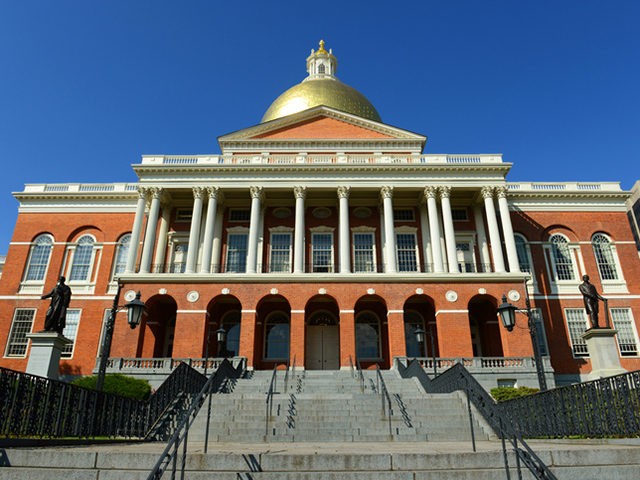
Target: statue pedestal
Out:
[44,359]
[603,351]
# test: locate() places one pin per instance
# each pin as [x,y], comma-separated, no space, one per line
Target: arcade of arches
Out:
[325,335]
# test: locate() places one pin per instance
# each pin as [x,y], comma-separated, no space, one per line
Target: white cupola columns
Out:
[150,234]
[136,230]
[298,242]
[254,228]
[434,228]
[494,231]
[345,247]
[507,229]
[389,232]
[207,248]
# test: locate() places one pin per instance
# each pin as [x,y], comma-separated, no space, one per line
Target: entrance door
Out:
[322,347]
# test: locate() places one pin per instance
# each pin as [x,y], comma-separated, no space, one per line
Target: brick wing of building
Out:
[322,237]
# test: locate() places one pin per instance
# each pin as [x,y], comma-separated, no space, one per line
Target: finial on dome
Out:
[321,49]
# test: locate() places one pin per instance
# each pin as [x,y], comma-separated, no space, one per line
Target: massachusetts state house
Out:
[322,237]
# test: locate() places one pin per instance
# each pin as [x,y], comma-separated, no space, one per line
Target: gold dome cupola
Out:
[321,87]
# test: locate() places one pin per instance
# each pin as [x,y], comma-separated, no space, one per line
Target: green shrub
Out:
[502,394]
[118,384]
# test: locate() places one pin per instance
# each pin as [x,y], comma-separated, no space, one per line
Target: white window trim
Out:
[323,230]
[566,325]
[407,230]
[116,250]
[280,230]
[238,230]
[618,285]
[532,284]
[634,330]
[88,285]
[563,286]
[470,239]
[6,348]
[75,339]
[175,240]
[35,286]
[372,231]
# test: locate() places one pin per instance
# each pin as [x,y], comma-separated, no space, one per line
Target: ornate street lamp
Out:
[221,336]
[420,337]
[507,314]
[135,309]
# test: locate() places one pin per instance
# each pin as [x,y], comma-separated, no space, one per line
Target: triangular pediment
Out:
[321,124]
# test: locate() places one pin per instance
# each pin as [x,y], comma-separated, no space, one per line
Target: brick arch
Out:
[270,308]
[319,303]
[562,229]
[364,308]
[226,311]
[157,329]
[484,324]
[420,309]
[75,234]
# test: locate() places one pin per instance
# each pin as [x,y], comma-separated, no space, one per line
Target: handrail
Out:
[286,374]
[181,434]
[458,378]
[384,394]
[269,399]
[360,375]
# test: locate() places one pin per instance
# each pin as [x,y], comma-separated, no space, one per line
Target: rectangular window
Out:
[403,215]
[239,215]
[627,338]
[363,252]
[280,252]
[183,215]
[237,252]
[536,314]
[105,319]
[406,252]
[70,331]
[322,252]
[577,325]
[459,214]
[21,325]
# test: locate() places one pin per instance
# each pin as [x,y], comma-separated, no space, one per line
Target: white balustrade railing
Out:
[165,365]
[479,364]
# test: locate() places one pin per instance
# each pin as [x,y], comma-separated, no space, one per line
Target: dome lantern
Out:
[321,64]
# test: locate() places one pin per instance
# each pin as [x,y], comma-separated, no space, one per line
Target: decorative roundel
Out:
[162,291]
[322,291]
[225,291]
[321,212]
[419,291]
[513,295]
[362,212]
[282,212]
[193,296]
[482,291]
[451,295]
[130,295]
[274,291]
[371,291]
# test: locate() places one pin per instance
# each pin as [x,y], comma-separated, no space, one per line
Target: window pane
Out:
[626,335]
[80,269]
[39,259]
[70,331]
[363,257]
[604,257]
[322,252]
[367,337]
[542,336]
[523,254]
[280,252]
[237,253]
[406,252]
[277,338]
[562,258]
[21,325]
[122,253]
[411,323]
[577,325]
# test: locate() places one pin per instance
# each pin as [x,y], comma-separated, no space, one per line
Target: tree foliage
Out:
[118,384]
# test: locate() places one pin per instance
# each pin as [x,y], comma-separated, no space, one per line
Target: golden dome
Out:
[329,92]
[321,87]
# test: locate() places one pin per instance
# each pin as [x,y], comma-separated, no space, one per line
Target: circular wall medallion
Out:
[513,295]
[225,291]
[162,291]
[362,212]
[130,295]
[193,296]
[274,291]
[482,291]
[371,291]
[321,212]
[419,291]
[282,212]
[451,295]
[322,291]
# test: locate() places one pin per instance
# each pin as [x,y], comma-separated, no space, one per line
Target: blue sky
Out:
[86,87]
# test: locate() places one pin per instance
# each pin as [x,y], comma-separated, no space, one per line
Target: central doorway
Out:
[322,342]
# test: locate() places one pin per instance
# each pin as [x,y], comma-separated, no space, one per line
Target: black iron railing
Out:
[385,398]
[458,378]
[32,406]
[269,399]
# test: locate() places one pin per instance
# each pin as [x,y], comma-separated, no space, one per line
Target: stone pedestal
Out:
[603,351]
[44,359]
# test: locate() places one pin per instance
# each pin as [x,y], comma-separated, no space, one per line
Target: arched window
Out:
[605,257]
[524,255]
[231,323]
[562,257]
[368,336]
[412,320]
[82,260]
[122,252]
[321,69]
[39,258]
[276,337]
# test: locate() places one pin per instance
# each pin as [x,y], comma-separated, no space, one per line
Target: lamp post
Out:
[420,333]
[507,313]
[135,309]
[221,336]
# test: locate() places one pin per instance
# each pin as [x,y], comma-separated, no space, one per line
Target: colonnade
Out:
[436,222]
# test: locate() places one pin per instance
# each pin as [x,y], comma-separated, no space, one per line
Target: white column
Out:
[298,241]
[485,257]
[345,253]
[507,230]
[449,233]
[159,258]
[194,231]
[494,232]
[150,234]
[254,226]
[389,232]
[134,245]
[434,228]
[426,238]
[217,240]
[207,248]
